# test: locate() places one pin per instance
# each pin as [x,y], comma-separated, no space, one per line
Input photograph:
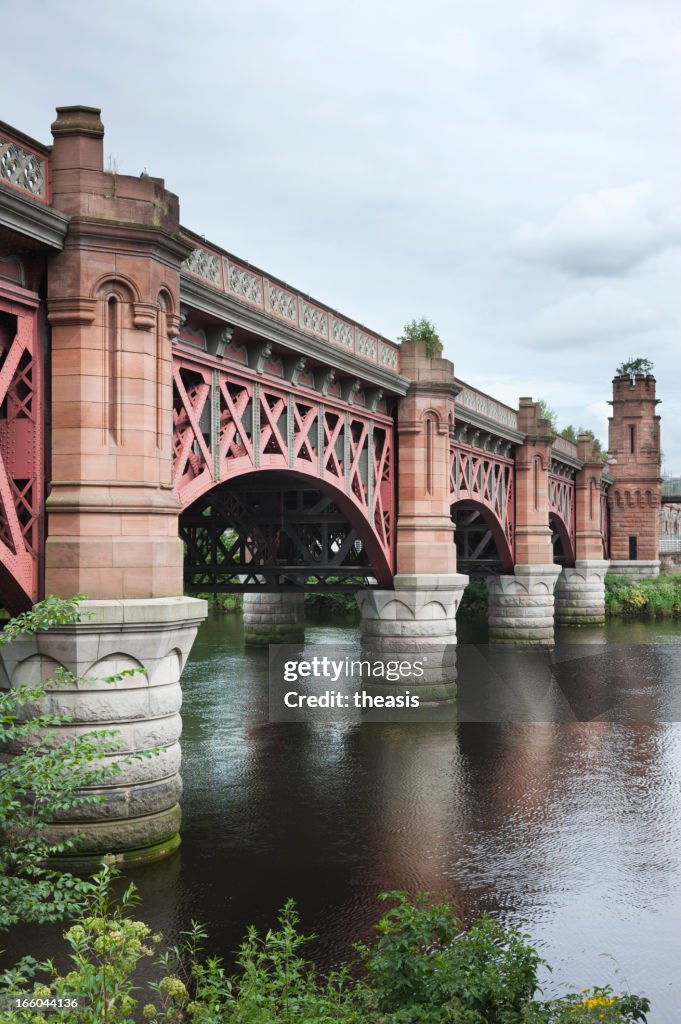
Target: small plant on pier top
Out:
[424,331]
[635,368]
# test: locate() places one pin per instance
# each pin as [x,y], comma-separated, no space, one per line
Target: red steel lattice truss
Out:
[21,449]
[487,479]
[228,421]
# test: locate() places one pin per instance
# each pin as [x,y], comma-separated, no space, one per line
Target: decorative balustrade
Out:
[479,402]
[276,299]
[561,444]
[23,166]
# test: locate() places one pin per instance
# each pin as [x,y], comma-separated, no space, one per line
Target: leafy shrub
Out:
[425,332]
[655,598]
[474,602]
[424,968]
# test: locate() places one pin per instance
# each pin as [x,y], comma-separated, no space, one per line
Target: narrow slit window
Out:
[429,455]
[113,348]
[632,439]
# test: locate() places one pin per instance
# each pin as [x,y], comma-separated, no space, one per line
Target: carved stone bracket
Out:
[258,354]
[323,379]
[144,315]
[349,388]
[373,397]
[293,367]
[71,309]
[217,342]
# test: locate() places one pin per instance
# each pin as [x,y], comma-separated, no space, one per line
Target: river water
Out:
[571,831]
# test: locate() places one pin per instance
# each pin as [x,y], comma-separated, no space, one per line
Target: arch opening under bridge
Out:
[279,531]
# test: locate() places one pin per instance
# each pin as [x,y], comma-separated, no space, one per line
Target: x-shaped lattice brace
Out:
[187,433]
[21,468]
[235,435]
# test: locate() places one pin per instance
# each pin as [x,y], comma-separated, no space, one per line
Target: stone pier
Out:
[521,607]
[635,497]
[112,514]
[277,618]
[139,817]
[416,620]
[580,594]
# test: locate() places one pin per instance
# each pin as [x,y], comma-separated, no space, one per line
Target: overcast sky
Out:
[510,170]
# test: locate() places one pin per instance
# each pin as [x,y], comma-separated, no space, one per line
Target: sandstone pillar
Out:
[419,615]
[580,591]
[277,618]
[521,607]
[113,305]
[635,497]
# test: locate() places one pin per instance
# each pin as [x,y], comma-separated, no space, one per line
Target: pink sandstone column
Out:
[635,497]
[521,607]
[580,591]
[113,300]
[419,615]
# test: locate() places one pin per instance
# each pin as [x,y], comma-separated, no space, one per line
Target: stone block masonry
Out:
[580,594]
[274,618]
[139,818]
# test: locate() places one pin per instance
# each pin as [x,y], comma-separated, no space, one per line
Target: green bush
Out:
[475,600]
[39,782]
[425,967]
[655,598]
[425,332]
[230,602]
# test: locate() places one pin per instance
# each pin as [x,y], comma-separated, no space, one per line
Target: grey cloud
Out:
[606,233]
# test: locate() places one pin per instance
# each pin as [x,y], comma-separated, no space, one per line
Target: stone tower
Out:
[634,500]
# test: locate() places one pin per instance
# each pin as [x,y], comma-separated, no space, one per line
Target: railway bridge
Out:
[174,421]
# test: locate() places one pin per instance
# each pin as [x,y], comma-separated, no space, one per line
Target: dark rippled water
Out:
[572,830]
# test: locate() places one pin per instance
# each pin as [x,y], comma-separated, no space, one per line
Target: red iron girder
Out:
[22,477]
[562,506]
[229,420]
[487,479]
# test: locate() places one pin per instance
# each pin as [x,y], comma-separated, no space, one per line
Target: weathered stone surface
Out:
[277,618]
[580,593]
[152,638]
[521,607]
[416,620]
[639,570]
[119,835]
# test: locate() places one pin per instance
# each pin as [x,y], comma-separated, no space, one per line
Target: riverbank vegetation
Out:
[648,599]
[424,967]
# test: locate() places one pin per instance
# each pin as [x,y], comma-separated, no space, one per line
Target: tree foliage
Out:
[547,413]
[572,434]
[424,331]
[635,367]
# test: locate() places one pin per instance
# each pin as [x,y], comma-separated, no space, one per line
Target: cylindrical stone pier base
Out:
[521,607]
[639,570]
[139,818]
[277,618]
[580,594]
[416,620]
